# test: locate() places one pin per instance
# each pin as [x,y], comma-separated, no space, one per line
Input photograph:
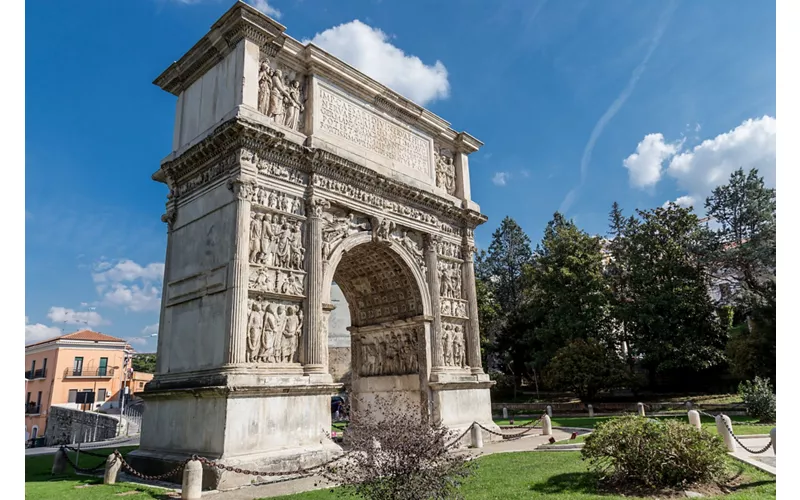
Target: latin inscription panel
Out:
[348,120]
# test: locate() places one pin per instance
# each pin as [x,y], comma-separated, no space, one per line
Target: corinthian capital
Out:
[242,189]
[315,205]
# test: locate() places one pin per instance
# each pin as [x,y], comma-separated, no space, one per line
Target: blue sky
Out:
[579,103]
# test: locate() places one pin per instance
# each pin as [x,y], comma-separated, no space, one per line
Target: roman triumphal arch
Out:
[289,171]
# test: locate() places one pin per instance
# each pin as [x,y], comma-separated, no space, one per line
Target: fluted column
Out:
[473,327]
[316,334]
[432,262]
[238,273]
[168,218]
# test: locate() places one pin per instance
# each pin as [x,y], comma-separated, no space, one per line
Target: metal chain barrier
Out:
[85,470]
[753,424]
[299,472]
[762,450]
[505,436]
[459,438]
[85,452]
[533,422]
[138,474]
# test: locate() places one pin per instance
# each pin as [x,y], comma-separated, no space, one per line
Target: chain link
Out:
[138,474]
[534,422]
[762,450]
[84,470]
[302,472]
[85,452]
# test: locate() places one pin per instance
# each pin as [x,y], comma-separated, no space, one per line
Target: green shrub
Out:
[759,398]
[640,452]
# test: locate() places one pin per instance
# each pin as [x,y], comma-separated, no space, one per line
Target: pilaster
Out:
[473,326]
[237,277]
[432,263]
[316,334]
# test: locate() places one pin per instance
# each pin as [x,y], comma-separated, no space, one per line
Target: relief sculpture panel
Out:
[445,170]
[274,328]
[338,225]
[389,352]
[454,344]
[280,95]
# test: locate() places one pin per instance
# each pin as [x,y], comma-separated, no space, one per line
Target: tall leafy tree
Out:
[570,295]
[744,212]
[672,322]
[618,276]
[502,272]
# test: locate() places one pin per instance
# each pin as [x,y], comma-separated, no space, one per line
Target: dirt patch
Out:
[706,490]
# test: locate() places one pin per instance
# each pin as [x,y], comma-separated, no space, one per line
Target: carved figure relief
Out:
[454,308]
[279,95]
[273,331]
[382,229]
[450,279]
[448,249]
[453,345]
[337,227]
[265,279]
[445,171]
[277,201]
[276,241]
[389,352]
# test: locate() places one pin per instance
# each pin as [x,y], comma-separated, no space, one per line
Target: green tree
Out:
[502,271]
[569,295]
[672,321]
[145,363]
[744,211]
[586,367]
[618,276]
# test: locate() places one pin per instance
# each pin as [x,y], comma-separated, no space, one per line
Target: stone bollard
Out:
[549,410]
[505,413]
[113,465]
[640,409]
[547,426]
[694,419]
[772,437]
[688,405]
[591,411]
[192,486]
[723,423]
[59,462]
[477,437]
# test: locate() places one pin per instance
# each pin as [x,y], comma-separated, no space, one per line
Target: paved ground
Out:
[111,443]
[765,461]
[315,482]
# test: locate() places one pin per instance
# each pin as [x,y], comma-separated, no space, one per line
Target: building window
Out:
[39,399]
[33,367]
[28,398]
[77,366]
[34,432]
[101,395]
[141,385]
[101,372]
[73,395]
[44,367]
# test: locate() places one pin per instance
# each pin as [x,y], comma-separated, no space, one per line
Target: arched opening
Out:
[387,331]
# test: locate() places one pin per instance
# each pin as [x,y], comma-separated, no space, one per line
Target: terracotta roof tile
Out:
[86,335]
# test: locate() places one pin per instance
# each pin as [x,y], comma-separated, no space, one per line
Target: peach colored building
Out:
[58,368]
[137,381]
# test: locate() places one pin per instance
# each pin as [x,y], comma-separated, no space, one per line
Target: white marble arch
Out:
[365,237]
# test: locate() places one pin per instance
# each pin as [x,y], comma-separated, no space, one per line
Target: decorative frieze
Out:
[337,225]
[454,308]
[278,201]
[276,281]
[450,250]
[389,352]
[274,328]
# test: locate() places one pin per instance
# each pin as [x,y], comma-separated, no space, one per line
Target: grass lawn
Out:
[739,428]
[555,476]
[39,484]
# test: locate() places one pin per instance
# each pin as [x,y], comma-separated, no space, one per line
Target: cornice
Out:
[264,142]
[240,22]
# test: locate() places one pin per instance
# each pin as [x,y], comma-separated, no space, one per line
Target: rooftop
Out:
[82,335]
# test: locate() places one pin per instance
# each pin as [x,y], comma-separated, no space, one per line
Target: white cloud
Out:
[265,7]
[129,285]
[127,270]
[38,332]
[72,317]
[137,340]
[150,329]
[710,163]
[133,297]
[644,166]
[367,49]
[500,178]
[681,201]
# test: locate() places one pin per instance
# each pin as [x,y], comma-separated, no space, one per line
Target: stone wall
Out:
[339,364]
[68,426]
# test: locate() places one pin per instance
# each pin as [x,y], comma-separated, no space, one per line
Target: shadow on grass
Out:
[570,482]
